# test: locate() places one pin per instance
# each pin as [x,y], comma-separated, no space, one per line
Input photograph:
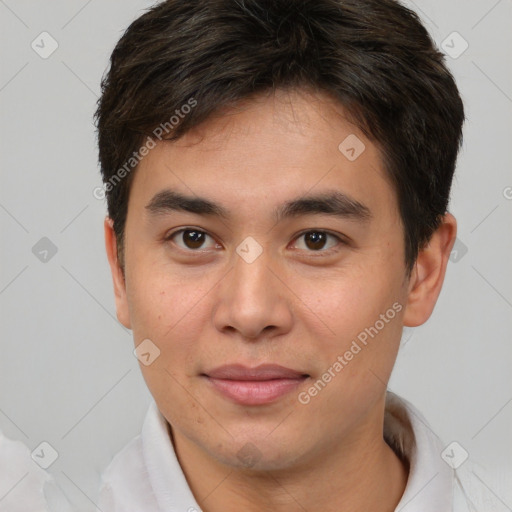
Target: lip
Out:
[254,386]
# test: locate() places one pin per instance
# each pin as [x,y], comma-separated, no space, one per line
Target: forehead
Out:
[266,150]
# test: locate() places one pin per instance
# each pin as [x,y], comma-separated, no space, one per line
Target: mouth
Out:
[254,386]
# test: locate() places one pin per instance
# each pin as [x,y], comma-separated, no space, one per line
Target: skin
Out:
[291,306]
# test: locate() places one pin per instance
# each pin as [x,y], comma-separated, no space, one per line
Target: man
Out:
[277,176]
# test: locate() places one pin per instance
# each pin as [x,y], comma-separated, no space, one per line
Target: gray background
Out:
[67,372]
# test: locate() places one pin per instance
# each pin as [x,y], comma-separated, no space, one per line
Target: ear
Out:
[118,279]
[428,273]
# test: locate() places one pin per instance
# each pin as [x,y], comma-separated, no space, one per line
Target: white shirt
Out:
[25,486]
[147,477]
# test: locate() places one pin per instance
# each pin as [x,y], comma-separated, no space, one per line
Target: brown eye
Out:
[315,240]
[318,241]
[191,239]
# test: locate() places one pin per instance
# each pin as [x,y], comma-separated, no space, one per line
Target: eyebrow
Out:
[335,203]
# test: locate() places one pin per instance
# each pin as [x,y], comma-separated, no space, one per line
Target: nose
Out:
[252,300]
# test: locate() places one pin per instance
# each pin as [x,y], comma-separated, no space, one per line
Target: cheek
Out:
[161,296]
[357,356]
[171,311]
[345,301]
[355,315]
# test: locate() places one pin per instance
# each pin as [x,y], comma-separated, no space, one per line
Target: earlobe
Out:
[428,273]
[118,278]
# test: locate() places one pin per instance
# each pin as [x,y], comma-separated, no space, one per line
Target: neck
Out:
[355,476]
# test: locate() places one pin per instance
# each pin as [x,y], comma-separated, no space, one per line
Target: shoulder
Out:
[430,483]
[146,474]
[24,484]
[125,484]
[479,489]
[436,480]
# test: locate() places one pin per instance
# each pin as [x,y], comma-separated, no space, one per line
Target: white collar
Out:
[430,484]
[146,474]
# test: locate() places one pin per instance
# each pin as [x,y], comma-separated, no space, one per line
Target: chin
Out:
[258,453]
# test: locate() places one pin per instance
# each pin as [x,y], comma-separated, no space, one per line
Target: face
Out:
[253,241]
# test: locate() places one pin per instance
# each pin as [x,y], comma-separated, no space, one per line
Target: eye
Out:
[196,240]
[191,239]
[318,241]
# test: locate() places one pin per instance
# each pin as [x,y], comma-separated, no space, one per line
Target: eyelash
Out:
[318,253]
